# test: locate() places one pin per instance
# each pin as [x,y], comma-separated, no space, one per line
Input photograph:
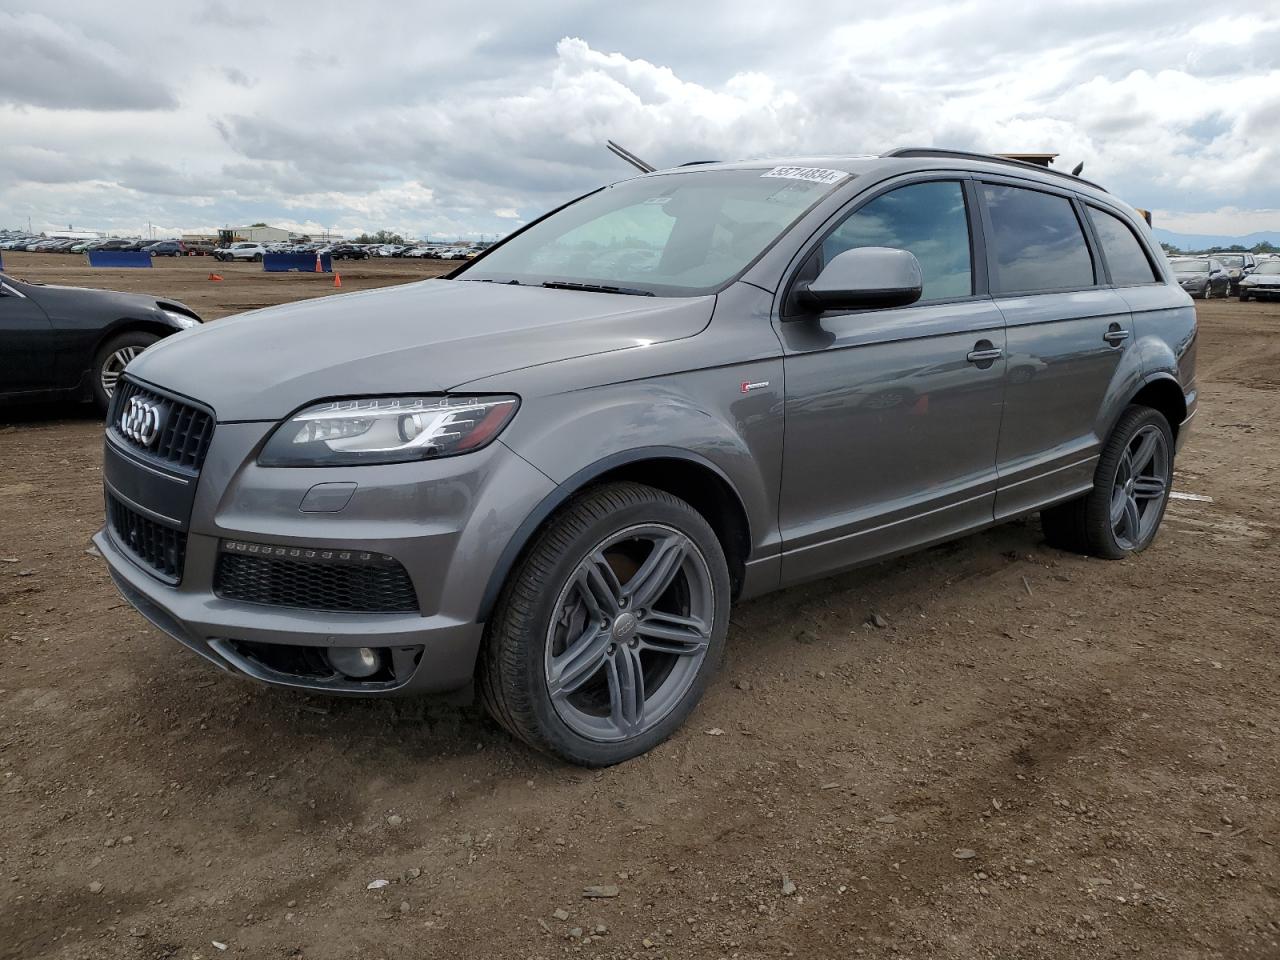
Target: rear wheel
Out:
[111,359]
[1131,485]
[607,633]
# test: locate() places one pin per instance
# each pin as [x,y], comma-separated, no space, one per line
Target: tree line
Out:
[1264,247]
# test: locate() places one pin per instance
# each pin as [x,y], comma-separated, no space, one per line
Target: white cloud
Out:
[427,122]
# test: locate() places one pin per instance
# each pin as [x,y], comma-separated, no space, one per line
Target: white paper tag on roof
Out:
[811,174]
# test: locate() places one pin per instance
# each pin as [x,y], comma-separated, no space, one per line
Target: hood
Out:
[425,337]
[73,301]
[1183,275]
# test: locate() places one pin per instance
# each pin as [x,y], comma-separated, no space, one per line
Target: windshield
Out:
[1190,266]
[1232,261]
[674,234]
[1270,268]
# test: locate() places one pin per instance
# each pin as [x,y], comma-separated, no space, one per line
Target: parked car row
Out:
[247,250]
[157,248]
[241,250]
[1222,275]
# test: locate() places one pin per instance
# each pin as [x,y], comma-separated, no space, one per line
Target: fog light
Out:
[355,662]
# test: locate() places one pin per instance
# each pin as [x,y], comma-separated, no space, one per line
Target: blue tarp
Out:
[295,262]
[119,258]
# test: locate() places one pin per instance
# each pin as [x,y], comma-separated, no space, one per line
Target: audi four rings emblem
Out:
[141,421]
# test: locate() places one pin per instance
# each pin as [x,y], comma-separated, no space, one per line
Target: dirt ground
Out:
[1039,756]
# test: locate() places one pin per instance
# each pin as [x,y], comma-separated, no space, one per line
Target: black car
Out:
[348,251]
[72,342]
[117,244]
[1202,277]
[166,248]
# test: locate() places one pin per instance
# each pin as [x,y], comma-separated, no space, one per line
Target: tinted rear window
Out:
[1121,249]
[1038,244]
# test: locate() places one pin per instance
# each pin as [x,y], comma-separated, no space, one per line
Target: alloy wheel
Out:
[114,365]
[629,632]
[1141,484]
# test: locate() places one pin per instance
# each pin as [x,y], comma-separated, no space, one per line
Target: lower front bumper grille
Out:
[313,579]
[161,549]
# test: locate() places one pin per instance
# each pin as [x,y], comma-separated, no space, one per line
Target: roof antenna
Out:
[631,158]
[1075,172]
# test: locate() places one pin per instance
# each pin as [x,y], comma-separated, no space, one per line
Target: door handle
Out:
[1115,335]
[984,354]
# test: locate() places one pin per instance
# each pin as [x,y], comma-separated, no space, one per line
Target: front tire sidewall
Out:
[657,507]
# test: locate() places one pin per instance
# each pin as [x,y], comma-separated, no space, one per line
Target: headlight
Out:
[183,321]
[387,430]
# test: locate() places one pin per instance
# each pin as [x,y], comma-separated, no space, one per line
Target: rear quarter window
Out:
[1126,259]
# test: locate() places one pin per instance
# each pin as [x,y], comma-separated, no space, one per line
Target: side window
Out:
[930,220]
[1038,244]
[1121,249]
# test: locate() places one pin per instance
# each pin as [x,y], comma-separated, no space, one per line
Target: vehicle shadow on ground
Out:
[394,739]
[48,414]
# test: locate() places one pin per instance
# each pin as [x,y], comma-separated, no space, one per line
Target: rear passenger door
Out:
[1067,333]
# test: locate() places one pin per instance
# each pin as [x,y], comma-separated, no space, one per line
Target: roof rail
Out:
[986,157]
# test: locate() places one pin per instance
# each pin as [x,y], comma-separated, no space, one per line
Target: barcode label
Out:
[809,174]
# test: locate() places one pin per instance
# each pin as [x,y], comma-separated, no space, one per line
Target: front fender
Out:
[714,399]
[573,437]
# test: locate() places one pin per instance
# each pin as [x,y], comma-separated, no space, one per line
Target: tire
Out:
[257,258]
[1244,296]
[549,606]
[1119,518]
[111,359]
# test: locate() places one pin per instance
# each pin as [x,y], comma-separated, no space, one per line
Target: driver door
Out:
[26,344]
[892,417]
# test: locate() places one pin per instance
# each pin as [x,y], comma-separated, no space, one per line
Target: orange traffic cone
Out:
[215,276]
[337,279]
[319,265]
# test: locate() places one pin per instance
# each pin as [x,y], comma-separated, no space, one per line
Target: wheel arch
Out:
[1163,393]
[130,325]
[682,473]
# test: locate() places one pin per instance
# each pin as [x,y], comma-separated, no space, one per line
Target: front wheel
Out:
[111,359]
[1131,485]
[609,630]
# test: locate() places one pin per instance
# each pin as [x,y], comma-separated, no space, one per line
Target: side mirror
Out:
[864,278]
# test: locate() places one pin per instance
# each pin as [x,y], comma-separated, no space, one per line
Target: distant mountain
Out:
[1203,241]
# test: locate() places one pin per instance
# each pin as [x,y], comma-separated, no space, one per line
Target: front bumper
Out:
[1260,290]
[446,521]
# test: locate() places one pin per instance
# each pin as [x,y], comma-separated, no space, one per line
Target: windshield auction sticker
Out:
[811,174]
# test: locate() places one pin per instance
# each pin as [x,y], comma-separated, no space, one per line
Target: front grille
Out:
[161,548]
[185,430]
[313,579]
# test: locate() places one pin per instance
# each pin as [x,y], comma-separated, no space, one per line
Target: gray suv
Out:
[552,471]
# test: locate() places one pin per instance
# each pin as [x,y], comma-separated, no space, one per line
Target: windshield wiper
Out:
[596,288]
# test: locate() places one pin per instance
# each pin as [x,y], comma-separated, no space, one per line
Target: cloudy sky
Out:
[459,120]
